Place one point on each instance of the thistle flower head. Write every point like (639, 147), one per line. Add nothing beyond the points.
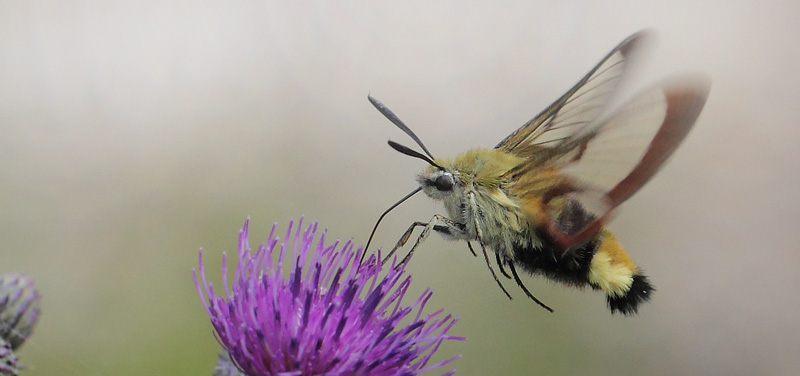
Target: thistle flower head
(332, 315)
(19, 308)
(8, 361)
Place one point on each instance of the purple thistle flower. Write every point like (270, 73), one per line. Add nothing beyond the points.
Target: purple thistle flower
(8, 361)
(19, 308)
(331, 316)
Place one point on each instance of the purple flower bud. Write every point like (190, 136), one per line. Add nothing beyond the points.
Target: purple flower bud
(331, 315)
(8, 361)
(19, 308)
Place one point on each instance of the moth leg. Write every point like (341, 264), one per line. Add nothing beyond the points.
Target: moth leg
(489, 264)
(470, 249)
(479, 234)
(402, 241)
(522, 286)
(450, 227)
(500, 265)
(438, 223)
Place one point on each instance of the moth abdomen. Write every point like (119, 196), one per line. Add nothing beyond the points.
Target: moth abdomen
(601, 263)
(543, 258)
(628, 304)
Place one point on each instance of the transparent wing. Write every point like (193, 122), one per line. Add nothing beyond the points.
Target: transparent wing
(603, 165)
(578, 107)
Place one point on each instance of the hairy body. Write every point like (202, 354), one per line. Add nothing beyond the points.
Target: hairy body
(508, 215)
(540, 199)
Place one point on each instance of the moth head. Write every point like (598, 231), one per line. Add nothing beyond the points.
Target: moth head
(437, 182)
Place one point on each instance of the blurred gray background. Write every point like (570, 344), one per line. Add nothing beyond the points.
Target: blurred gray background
(133, 133)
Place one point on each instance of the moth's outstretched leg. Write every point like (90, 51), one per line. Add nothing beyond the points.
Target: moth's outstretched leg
(479, 235)
(489, 264)
(470, 249)
(500, 265)
(522, 286)
(438, 223)
(402, 241)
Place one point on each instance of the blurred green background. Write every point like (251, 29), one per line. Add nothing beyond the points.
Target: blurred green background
(133, 133)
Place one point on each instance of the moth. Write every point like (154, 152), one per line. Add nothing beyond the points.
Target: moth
(540, 199)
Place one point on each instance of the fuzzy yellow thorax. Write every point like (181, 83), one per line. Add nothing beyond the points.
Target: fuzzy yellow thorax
(483, 167)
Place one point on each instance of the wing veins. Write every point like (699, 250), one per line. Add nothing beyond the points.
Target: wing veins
(588, 89)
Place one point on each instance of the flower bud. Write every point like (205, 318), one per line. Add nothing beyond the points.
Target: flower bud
(19, 308)
(8, 361)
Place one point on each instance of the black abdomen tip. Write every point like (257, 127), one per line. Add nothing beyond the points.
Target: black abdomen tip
(640, 292)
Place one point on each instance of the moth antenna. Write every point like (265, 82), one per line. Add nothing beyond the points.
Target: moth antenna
(413, 153)
(399, 123)
(383, 215)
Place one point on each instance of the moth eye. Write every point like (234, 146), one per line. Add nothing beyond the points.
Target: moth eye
(444, 182)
